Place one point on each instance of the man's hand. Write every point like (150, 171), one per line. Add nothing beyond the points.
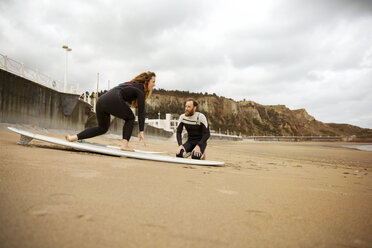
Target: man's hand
(179, 149)
(142, 137)
(197, 151)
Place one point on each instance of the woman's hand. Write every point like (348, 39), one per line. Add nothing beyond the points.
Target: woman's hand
(142, 137)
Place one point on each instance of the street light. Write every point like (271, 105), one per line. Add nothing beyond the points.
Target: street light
(67, 50)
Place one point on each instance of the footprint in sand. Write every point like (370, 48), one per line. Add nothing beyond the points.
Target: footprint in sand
(259, 213)
(59, 204)
(87, 174)
(122, 166)
(228, 192)
(155, 226)
(61, 198)
(189, 167)
(55, 203)
(39, 211)
(256, 219)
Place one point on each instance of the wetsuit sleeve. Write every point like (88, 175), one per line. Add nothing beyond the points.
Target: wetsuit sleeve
(205, 130)
(141, 110)
(179, 131)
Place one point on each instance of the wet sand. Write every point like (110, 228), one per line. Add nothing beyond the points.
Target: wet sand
(268, 194)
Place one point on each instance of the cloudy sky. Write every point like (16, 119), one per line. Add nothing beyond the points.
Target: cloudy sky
(314, 54)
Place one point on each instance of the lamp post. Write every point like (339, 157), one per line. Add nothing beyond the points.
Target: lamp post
(67, 50)
(97, 83)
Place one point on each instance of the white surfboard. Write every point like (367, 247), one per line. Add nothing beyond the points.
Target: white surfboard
(26, 137)
(116, 147)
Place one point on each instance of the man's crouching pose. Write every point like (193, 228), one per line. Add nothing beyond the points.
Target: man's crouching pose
(197, 128)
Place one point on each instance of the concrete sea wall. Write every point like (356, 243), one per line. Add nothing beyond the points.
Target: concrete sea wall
(25, 102)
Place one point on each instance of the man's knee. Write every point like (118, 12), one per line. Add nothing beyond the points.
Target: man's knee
(180, 155)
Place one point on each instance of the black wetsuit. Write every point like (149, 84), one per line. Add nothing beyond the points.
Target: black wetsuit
(197, 130)
(116, 102)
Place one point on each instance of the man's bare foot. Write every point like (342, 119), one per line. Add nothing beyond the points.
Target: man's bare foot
(71, 138)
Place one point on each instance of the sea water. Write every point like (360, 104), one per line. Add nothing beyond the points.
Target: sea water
(361, 147)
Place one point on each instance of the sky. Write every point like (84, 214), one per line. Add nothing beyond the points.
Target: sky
(315, 55)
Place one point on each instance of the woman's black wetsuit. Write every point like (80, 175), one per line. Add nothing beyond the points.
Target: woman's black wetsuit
(116, 102)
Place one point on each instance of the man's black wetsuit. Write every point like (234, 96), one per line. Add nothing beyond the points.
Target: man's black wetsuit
(197, 130)
(116, 102)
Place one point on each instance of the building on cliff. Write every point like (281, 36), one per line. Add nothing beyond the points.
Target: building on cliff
(170, 123)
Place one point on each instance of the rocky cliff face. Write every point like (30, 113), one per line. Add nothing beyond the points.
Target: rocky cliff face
(247, 117)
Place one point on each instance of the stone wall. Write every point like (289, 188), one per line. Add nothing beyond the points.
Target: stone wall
(25, 102)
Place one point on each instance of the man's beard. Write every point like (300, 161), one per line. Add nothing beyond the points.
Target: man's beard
(192, 112)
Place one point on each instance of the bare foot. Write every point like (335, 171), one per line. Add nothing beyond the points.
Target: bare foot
(126, 148)
(71, 138)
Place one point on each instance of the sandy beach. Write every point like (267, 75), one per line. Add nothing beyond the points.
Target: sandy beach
(268, 194)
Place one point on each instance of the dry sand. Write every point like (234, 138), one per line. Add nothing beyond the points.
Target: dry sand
(269, 194)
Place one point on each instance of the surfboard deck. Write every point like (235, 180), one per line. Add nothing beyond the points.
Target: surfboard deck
(26, 137)
(116, 147)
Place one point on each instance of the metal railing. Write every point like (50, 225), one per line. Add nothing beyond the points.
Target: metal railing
(295, 138)
(21, 70)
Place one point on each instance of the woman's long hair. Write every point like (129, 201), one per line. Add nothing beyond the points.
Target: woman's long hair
(144, 79)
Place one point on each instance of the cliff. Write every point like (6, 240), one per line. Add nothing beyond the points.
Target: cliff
(248, 117)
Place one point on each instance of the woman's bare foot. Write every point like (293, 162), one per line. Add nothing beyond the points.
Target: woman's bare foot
(71, 138)
(125, 147)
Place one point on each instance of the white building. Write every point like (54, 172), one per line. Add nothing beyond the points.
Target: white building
(168, 124)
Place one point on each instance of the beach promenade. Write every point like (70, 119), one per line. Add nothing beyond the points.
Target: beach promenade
(268, 194)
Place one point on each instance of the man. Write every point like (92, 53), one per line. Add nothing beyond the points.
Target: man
(197, 128)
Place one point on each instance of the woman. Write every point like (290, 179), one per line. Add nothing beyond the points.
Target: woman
(114, 102)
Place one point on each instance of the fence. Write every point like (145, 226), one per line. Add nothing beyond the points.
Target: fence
(295, 138)
(21, 70)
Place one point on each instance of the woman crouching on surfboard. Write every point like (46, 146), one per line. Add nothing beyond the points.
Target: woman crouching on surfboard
(114, 102)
